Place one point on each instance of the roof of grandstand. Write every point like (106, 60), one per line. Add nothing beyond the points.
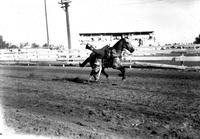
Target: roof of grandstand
(117, 33)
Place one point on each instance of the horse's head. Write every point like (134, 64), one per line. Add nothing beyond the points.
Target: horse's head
(126, 44)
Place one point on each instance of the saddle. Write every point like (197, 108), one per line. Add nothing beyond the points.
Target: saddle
(107, 55)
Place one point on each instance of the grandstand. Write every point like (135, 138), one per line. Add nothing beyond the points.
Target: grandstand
(139, 38)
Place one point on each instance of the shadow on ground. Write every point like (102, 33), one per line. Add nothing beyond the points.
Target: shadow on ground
(75, 80)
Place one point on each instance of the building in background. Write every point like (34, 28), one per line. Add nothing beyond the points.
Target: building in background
(139, 38)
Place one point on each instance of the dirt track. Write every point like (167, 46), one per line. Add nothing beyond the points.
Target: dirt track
(53, 101)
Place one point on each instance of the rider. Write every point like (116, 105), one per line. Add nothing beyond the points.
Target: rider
(96, 54)
(105, 53)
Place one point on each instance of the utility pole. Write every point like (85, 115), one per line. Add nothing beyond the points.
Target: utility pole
(65, 5)
(47, 30)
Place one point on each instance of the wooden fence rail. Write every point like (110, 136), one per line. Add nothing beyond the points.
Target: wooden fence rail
(33, 57)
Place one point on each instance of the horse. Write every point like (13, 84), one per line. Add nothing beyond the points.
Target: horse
(107, 57)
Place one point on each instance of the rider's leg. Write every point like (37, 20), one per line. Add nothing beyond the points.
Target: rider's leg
(87, 60)
(100, 53)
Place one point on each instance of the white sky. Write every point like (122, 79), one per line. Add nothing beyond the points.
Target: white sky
(172, 20)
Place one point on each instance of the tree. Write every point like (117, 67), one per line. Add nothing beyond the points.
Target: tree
(34, 45)
(197, 40)
(3, 44)
(45, 45)
(13, 47)
(22, 45)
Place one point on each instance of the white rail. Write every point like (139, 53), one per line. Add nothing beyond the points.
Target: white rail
(38, 55)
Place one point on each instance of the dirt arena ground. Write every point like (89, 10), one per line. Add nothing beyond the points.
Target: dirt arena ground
(59, 102)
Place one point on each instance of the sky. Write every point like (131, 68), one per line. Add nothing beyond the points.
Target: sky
(171, 20)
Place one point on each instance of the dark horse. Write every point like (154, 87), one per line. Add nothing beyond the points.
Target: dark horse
(107, 57)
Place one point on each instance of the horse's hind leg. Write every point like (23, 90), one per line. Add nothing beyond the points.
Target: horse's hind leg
(104, 73)
(95, 73)
(92, 73)
(90, 78)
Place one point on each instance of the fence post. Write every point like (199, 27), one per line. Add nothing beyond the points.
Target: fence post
(182, 60)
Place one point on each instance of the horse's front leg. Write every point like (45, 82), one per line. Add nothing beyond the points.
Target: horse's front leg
(117, 65)
(122, 69)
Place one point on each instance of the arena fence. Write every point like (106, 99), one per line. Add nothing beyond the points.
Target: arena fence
(158, 59)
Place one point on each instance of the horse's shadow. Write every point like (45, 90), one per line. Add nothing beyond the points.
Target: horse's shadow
(75, 80)
(84, 81)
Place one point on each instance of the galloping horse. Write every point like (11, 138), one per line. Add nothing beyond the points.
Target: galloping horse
(107, 57)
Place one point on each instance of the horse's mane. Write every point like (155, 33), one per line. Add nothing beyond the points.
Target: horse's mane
(104, 48)
(118, 44)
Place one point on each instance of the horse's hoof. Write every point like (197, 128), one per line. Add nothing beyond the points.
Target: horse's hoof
(89, 80)
(123, 78)
(97, 80)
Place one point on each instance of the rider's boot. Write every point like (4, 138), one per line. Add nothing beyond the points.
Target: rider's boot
(96, 51)
(81, 65)
(89, 46)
